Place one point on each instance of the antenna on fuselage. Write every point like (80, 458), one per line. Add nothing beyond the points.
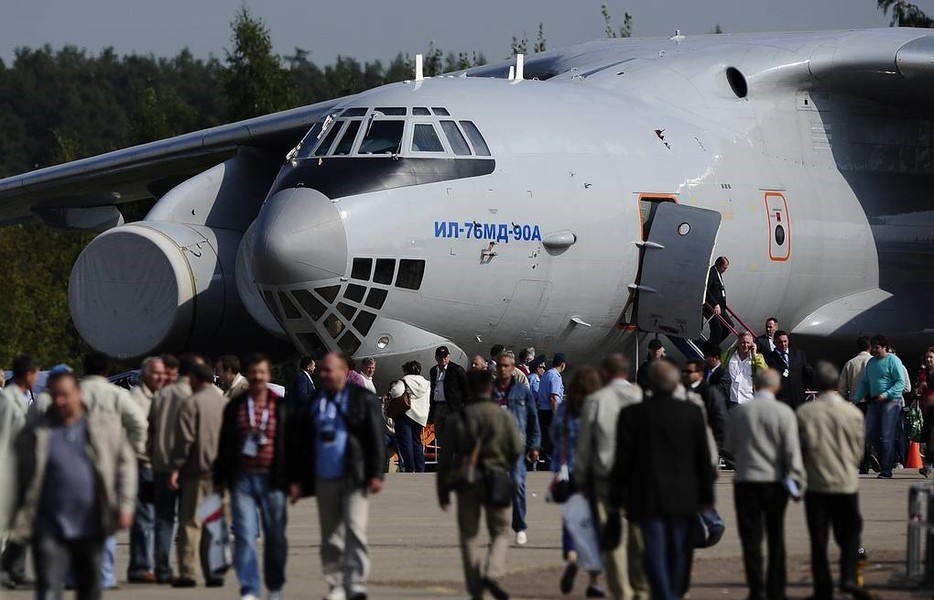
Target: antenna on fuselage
(419, 67)
(520, 67)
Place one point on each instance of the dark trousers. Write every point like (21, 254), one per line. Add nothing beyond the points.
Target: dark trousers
(14, 561)
(53, 557)
(143, 530)
(718, 331)
(544, 420)
(842, 512)
(409, 442)
(665, 539)
(761, 507)
(166, 505)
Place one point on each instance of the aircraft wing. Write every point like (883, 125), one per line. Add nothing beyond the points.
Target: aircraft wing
(150, 169)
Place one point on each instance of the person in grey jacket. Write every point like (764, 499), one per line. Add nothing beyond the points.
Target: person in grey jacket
(77, 481)
(762, 435)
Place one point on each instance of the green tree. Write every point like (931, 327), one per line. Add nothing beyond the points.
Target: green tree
(609, 30)
(254, 81)
(905, 14)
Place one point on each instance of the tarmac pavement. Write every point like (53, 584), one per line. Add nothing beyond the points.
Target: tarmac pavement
(415, 552)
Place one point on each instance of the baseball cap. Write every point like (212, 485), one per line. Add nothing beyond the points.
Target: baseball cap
(539, 361)
(442, 351)
(396, 390)
(655, 344)
(60, 368)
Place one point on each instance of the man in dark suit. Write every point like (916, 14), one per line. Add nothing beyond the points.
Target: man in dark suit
(303, 386)
(793, 366)
(448, 390)
(715, 307)
(663, 476)
(692, 376)
(766, 342)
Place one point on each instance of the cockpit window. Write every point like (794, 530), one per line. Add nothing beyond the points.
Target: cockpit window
(441, 112)
(391, 112)
(350, 133)
(420, 111)
(455, 138)
(425, 139)
(354, 112)
(383, 137)
(329, 139)
(479, 144)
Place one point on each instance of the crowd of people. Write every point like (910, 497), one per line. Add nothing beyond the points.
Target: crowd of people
(639, 451)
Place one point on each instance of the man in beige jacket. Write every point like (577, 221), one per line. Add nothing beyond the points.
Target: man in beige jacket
(77, 481)
(163, 420)
(832, 436)
(596, 455)
(194, 451)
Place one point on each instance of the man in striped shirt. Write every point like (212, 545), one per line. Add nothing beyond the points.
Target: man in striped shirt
(251, 464)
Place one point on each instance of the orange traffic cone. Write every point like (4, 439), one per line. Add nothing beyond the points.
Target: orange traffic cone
(914, 456)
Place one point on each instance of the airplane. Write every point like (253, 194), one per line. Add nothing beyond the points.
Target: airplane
(572, 201)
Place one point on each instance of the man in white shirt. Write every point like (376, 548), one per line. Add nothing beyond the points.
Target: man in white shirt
(368, 370)
(852, 372)
(741, 369)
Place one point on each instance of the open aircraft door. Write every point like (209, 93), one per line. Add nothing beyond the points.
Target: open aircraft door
(674, 258)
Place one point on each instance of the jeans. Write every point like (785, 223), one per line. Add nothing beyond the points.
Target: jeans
(108, 558)
(544, 421)
(142, 533)
(665, 557)
(164, 502)
(53, 556)
(882, 421)
(409, 441)
(249, 493)
(518, 501)
(759, 504)
(389, 440)
(842, 512)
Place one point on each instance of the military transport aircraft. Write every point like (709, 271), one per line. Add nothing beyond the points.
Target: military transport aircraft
(572, 201)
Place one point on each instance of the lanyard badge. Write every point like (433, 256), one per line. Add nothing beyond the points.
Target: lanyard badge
(256, 438)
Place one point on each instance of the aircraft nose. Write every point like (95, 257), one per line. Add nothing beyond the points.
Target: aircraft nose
(300, 237)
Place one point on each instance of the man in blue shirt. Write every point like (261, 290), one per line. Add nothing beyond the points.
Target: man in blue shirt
(883, 382)
(550, 395)
(338, 455)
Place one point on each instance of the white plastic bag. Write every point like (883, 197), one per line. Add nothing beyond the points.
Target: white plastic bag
(211, 513)
(578, 518)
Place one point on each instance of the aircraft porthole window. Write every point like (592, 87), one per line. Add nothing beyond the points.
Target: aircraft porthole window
(479, 144)
(382, 137)
(410, 274)
(345, 145)
(334, 326)
(441, 112)
(425, 139)
(383, 341)
(355, 293)
(364, 322)
(346, 310)
(455, 138)
(329, 293)
(362, 267)
(349, 343)
(421, 111)
(385, 269)
(288, 308)
(779, 235)
(684, 229)
(313, 307)
(376, 298)
(737, 82)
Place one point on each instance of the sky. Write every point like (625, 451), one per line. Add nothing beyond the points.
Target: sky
(379, 29)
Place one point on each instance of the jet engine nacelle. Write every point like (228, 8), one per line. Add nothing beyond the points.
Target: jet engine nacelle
(156, 286)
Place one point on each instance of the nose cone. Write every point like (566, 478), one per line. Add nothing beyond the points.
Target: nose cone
(300, 237)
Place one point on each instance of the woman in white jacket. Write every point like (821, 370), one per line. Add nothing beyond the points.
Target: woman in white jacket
(409, 427)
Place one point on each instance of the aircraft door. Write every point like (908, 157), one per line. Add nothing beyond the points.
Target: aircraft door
(675, 257)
